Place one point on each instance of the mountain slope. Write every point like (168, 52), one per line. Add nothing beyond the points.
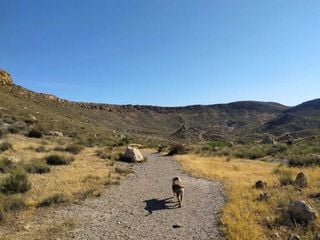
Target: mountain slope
(303, 119)
(150, 124)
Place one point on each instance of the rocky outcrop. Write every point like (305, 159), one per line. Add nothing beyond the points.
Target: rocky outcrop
(5, 78)
(300, 212)
(268, 139)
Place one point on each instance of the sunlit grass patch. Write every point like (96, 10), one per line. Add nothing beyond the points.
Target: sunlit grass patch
(243, 216)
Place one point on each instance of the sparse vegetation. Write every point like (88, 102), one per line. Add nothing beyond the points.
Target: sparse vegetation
(56, 159)
(37, 166)
(41, 149)
(176, 149)
(73, 148)
(5, 146)
(5, 165)
(34, 133)
(55, 199)
(122, 170)
(14, 203)
(245, 218)
(15, 182)
(285, 176)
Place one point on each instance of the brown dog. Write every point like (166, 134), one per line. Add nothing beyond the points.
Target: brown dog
(177, 189)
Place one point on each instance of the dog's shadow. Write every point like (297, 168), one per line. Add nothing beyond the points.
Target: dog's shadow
(153, 205)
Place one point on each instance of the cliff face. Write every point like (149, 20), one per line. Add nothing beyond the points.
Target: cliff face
(5, 78)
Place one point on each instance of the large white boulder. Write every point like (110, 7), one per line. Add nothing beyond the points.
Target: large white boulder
(133, 155)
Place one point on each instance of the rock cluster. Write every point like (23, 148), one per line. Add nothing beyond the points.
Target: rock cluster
(5, 78)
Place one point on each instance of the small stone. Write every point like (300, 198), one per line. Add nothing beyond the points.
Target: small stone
(260, 184)
(276, 235)
(294, 237)
(176, 226)
(264, 196)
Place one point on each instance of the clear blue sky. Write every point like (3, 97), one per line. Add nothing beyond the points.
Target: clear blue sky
(164, 52)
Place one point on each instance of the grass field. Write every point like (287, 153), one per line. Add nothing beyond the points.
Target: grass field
(244, 217)
(85, 175)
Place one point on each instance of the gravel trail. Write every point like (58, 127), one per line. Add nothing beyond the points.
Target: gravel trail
(143, 207)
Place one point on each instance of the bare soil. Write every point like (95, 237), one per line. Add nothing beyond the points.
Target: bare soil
(143, 207)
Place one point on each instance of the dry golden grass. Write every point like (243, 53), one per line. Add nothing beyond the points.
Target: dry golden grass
(244, 217)
(86, 176)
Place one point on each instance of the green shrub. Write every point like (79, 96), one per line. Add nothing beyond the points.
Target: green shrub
(56, 159)
(5, 165)
(254, 152)
(5, 146)
(16, 182)
(55, 199)
(277, 149)
(74, 149)
(304, 161)
(37, 166)
(34, 133)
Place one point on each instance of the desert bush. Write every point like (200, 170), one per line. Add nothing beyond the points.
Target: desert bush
(122, 142)
(14, 203)
(285, 176)
(277, 149)
(8, 119)
(122, 170)
(13, 129)
(304, 161)
(73, 148)
(5, 146)
(37, 166)
(34, 133)
(176, 149)
(59, 149)
(16, 182)
(253, 152)
(40, 149)
(104, 154)
(5, 165)
(55, 199)
(56, 159)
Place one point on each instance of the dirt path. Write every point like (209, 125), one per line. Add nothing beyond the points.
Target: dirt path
(142, 207)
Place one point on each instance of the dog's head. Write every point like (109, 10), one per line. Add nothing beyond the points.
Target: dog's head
(176, 179)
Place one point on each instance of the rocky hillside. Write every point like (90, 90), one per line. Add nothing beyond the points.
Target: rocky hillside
(303, 119)
(234, 121)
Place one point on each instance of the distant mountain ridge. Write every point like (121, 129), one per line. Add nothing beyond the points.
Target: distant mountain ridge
(232, 121)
